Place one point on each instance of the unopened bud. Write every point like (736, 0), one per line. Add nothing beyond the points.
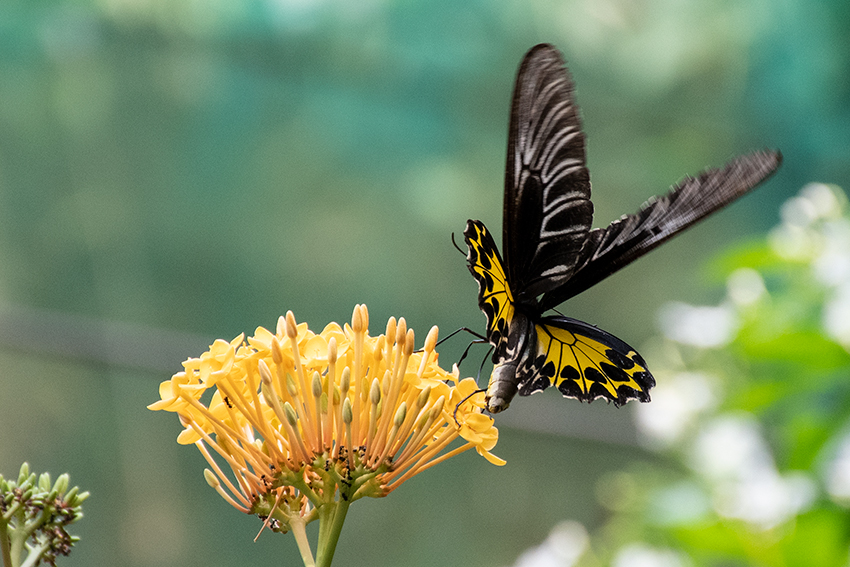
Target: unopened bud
(291, 328)
(265, 372)
(431, 339)
(290, 385)
(400, 414)
(211, 478)
(290, 414)
(347, 413)
(317, 384)
(375, 392)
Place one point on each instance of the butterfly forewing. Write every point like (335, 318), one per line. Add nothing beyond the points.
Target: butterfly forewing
(494, 293)
(660, 219)
(584, 362)
(547, 208)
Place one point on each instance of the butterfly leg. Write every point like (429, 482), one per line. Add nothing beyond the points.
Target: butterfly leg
(466, 352)
(480, 337)
(454, 415)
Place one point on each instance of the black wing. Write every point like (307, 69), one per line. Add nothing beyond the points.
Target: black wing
(659, 219)
(547, 209)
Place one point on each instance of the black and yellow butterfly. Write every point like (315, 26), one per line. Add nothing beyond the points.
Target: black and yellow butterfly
(552, 254)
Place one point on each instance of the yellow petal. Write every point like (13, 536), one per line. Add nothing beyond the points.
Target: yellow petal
(315, 350)
(491, 457)
(188, 437)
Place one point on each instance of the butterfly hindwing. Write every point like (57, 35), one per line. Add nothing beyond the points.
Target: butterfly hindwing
(547, 209)
(584, 362)
(494, 293)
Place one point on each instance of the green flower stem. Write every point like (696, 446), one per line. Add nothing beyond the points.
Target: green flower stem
(18, 546)
(305, 489)
(330, 527)
(5, 549)
(13, 509)
(325, 518)
(296, 522)
(34, 556)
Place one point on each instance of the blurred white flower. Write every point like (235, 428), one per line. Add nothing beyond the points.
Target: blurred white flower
(826, 199)
(730, 447)
(732, 455)
(815, 201)
(563, 548)
(832, 265)
(838, 473)
(812, 230)
(766, 499)
(745, 286)
(642, 555)
(677, 401)
(700, 326)
(798, 211)
(683, 502)
(792, 242)
(836, 315)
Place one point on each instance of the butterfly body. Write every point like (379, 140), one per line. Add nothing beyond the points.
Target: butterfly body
(552, 254)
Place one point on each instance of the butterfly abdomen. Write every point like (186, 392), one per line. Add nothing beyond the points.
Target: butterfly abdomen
(515, 348)
(503, 386)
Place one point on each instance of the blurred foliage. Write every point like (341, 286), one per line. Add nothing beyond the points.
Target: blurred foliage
(753, 432)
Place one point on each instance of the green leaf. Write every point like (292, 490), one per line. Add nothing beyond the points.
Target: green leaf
(805, 348)
(819, 539)
(756, 254)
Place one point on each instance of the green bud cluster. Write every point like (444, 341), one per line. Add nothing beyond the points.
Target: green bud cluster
(33, 516)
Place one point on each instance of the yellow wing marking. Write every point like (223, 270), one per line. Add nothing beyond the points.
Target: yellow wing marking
(494, 297)
(583, 367)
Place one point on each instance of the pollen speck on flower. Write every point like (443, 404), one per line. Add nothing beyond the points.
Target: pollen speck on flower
(300, 419)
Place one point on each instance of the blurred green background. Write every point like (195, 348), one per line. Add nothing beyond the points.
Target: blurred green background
(175, 171)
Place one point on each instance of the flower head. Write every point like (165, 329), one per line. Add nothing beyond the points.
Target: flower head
(306, 420)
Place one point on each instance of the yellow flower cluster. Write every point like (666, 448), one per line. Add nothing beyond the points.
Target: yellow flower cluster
(304, 419)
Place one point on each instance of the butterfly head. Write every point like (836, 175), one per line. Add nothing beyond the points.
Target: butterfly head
(502, 387)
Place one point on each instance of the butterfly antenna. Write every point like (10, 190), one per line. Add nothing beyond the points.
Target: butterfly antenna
(454, 415)
(456, 246)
